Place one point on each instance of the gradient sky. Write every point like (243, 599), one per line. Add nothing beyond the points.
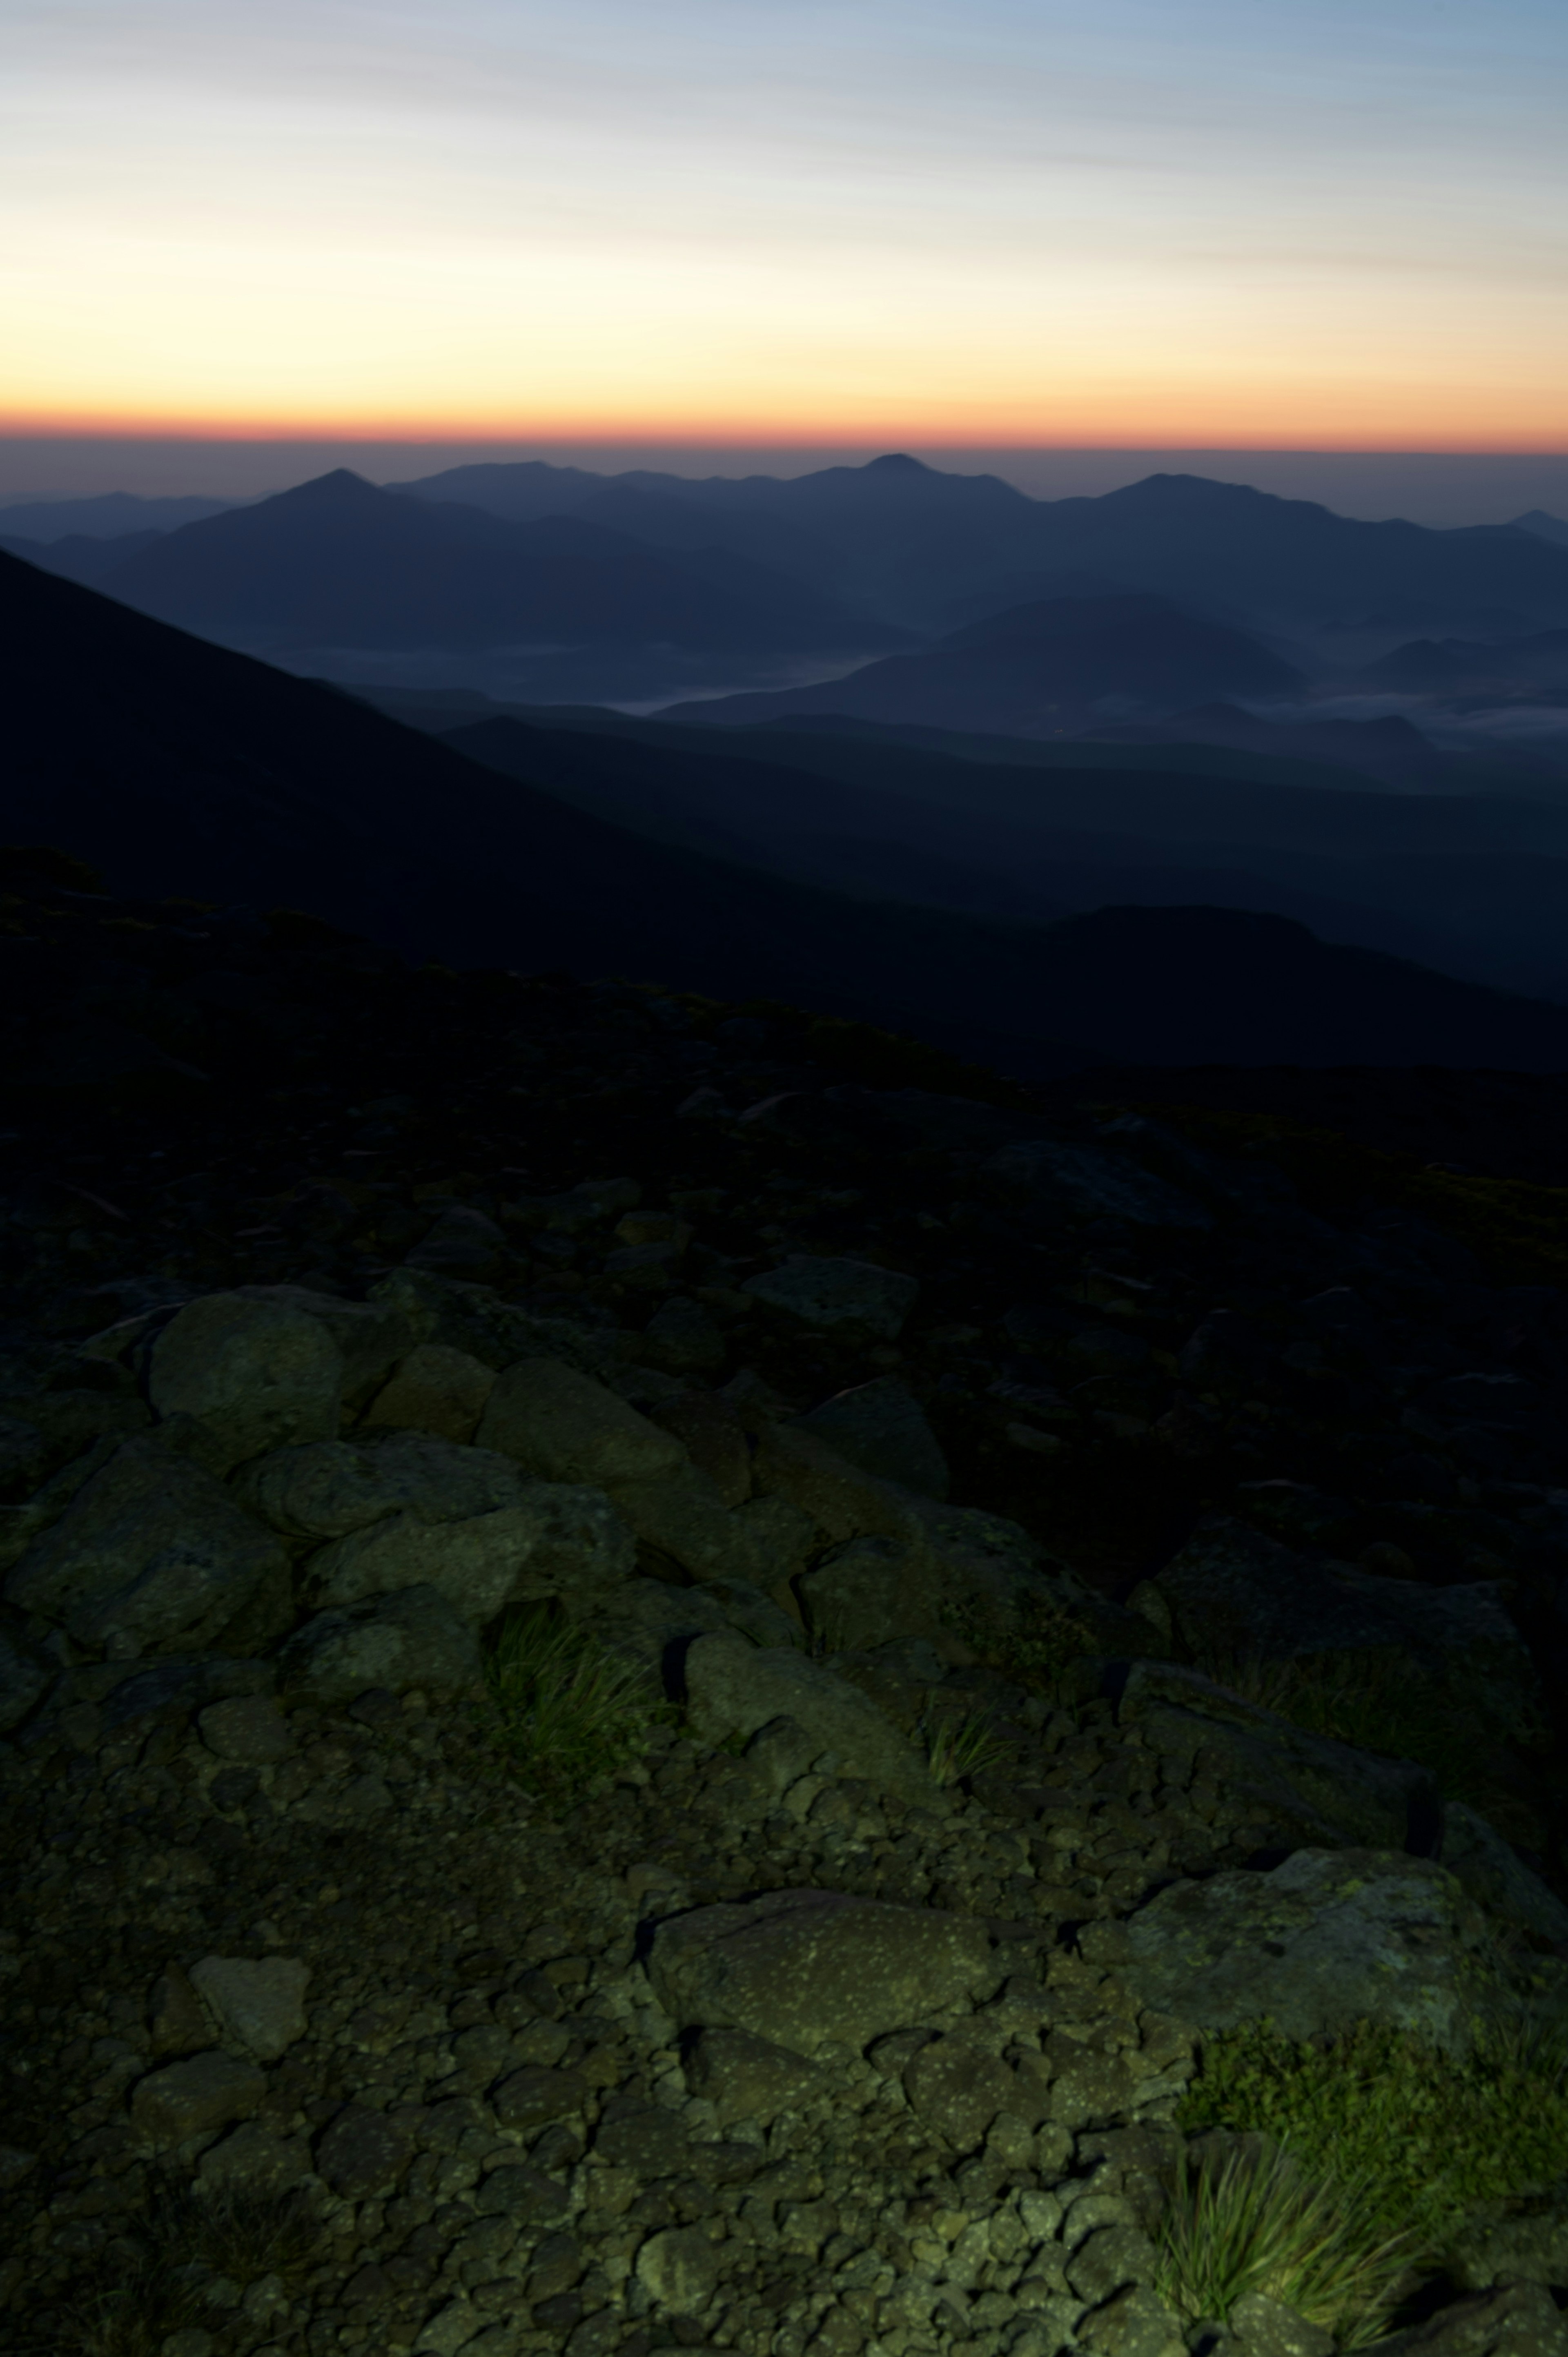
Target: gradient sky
(1334, 222)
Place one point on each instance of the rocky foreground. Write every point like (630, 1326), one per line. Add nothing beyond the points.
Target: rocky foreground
(1080, 1583)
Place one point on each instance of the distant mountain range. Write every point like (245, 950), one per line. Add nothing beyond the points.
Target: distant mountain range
(339, 562)
(1036, 671)
(180, 766)
(917, 545)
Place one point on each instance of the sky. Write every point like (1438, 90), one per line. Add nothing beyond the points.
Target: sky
(1334, 224)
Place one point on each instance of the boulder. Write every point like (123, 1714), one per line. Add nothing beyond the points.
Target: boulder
(968, 1582)
(680, 1514)
(682, 1338)
(153, 1555)
(1086, 1182)
(734, 1688)
(474, 1318)
(1518, 2320)
(330, 1488)
(749, 2078)
(258, 2007)
(371, 1335)
(652, 1622)
(556, 1539)
(461, 1243)
(841, 1501)
(804, 1968)
(436, 1390)
(1495, 1877)
(26, 1676)
(563, 1426)
(833, 1293)
(477, 1565)
(713, 1438)
(1314, 1789)
(881, 1428)
(193, 2097)
(1326, 1940)
(394, 1641)
(1232, 1588)
(255, 1372)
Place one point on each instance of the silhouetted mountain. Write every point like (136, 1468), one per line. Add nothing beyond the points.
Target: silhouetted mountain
(111, 516)
(336, 562)
(78, 556)
(1472, 667)
(1390, 751)
(1038, 671)
(914, 544)
(178, 766)
(1545, 527)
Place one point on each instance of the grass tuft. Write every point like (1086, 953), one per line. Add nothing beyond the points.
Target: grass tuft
(130, 2304)
(1251, 2224)
(560, 1706)
(957, 1748)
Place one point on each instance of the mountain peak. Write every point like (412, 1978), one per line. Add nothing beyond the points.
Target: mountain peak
(896, 462)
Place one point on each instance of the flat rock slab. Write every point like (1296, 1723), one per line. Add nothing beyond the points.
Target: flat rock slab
(832, 1293)
(806, 1967)
(1328, 1939)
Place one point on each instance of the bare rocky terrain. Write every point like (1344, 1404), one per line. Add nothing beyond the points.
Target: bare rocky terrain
(1095, 1579)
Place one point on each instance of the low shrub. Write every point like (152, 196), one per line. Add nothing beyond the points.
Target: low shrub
(1425, 2138)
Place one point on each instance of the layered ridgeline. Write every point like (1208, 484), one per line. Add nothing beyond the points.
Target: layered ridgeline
(674, 1675)
(178, 766)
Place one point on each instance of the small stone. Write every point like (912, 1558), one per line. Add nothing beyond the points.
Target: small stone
(517, 2192)
(176, 2015)
(190, 2098)
(259, 2007)
(15, 2164)
(1136, 2323)
(531, 2098)
(254, 2160)
(957, 2090)
(249, 1728)
(679, 2269)
(643, 2136)
(361, 2153)
(449, 2330)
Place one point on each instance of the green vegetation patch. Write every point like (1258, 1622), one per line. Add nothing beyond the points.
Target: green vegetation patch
(1422, 2140)
(561, 1707)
